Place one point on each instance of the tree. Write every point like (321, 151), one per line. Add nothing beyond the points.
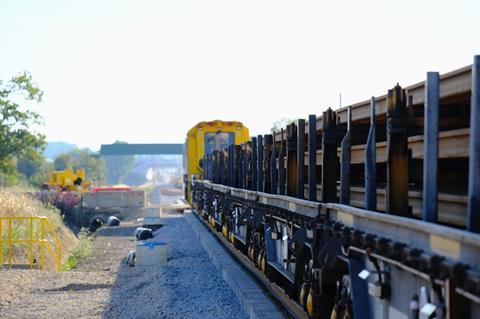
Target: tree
(118, 167)
(281, 123)
(34, 168)
(16, 120)
(29, 163)
(82, 158)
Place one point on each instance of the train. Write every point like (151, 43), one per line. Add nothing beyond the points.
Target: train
(202, 140)
(368, 211)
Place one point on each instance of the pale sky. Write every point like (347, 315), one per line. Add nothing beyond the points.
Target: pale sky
(146, 71)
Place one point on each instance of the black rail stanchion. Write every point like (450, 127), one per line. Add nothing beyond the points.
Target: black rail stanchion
(245, 165)
(232, 165)
(430, 147)
(281, 164)
(312, 157)
(260, 163)
(222, 167)
(242, 166)
(267, 153)
(397, 153)
(291, 178)
(473, 222)
(254, 163)
(273, 167)
(238, 166)
(329, 158)
(370, 162)
(216, 167)
(345, 162)
(300, 158)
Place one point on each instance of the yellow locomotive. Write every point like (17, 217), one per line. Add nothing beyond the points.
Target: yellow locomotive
(204, 138)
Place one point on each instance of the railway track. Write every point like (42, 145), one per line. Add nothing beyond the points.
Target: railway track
(287, 306)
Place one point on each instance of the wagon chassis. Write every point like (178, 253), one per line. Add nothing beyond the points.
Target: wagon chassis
(452, 283)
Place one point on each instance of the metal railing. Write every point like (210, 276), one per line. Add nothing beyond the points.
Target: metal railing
(39, 231)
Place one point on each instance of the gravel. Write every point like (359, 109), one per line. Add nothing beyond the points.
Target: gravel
(189, 286)
(102, 286)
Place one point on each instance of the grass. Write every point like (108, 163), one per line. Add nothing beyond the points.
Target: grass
(16, 202)
(83, 249)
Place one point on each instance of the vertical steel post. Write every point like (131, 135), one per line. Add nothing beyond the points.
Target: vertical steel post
(329, 158)
(215, 166)
(238, 166)
(260, 163)
(226, 159)
(42, 244)
(210, 167)
(430, 147)
(248, 165)
(205, 166)
(370, 162)
(254, 163)
(231, 167)
(229, 163)
(292, 160)
(312, 157)
(30, 241)
(281, 165)
(241, 177)
(345, 162)
(267, 155)
(397, 153)
(273, 167)
(226, 155)
(10, 243)
(222, 167)
(300, 158)
(245, 166)
(473, 210)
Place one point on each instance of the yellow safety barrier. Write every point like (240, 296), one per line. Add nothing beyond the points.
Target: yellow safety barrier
(39, 229)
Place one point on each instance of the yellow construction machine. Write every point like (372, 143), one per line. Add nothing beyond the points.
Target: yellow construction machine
(69, 181)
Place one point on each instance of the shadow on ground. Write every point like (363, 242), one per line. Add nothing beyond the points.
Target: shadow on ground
(188, 286)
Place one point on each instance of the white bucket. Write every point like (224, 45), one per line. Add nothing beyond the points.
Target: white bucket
(151, 253)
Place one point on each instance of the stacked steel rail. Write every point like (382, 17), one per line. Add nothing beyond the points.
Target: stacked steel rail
(371, 211)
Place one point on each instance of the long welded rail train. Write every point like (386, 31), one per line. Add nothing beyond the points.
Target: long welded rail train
(370, 211)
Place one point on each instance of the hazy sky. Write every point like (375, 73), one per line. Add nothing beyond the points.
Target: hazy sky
(146, 71)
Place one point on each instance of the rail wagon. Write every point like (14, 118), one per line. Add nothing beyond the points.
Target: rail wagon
(367, 211)
(205, 138)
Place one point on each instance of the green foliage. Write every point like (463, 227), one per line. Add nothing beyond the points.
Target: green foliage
(118, 167)
(82, 158)
(33, 169)
(281, 123)
(16, 136)
(42, 174)
(83, 249)
(29, 163)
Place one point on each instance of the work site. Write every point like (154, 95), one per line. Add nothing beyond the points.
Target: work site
(256, 159)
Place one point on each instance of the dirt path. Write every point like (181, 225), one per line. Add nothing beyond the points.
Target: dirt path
(80, 293)
(103, 287)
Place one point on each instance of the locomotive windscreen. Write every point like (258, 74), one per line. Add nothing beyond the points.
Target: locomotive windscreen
(218, 141)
